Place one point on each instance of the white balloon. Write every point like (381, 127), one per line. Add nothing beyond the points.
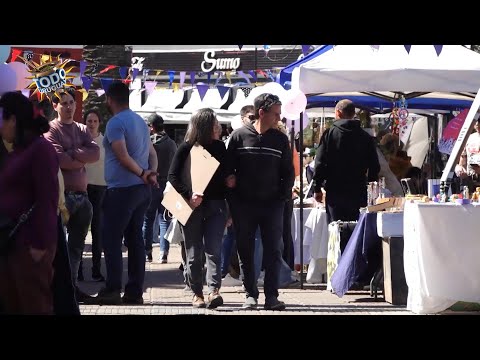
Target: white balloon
(21, 71)
(295, 102)
(8, 79)
(296, 123)
(236, 122)
(4, 53)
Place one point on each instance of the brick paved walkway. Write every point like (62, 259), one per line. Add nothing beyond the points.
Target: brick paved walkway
(164, 295)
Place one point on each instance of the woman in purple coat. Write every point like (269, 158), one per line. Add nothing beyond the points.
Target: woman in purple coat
(28, 179)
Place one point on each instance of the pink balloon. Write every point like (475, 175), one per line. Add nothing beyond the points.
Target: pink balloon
(297, 122)
(295, 102)
(8, 79)
(21, 71)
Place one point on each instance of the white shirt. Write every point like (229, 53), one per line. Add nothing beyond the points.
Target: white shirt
(472, 148)
(96, 170)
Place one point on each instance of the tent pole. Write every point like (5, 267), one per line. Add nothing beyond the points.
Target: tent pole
(300, 151)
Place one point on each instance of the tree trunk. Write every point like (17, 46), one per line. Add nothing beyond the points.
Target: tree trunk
(103, 55)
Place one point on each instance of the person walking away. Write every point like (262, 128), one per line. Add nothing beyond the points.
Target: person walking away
(345, 162)
(165, 149)
(130, 171)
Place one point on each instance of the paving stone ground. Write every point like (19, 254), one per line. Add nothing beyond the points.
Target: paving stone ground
(164, 295)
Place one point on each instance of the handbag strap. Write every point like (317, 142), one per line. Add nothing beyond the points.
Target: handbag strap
(24, 217)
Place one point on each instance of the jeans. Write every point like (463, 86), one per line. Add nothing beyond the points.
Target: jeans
(203, 232)
(124, 211)
(228, 245)
(81, 211)
(247, 217)
(155, 207)
(64, 301)
(96, 193)
(285, 273)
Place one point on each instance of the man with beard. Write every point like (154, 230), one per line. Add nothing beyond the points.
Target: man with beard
(130, 171)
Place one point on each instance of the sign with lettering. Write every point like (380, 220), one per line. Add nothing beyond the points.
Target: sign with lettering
(48, 76)
(465, 130)
(451, 131)
(211, 64)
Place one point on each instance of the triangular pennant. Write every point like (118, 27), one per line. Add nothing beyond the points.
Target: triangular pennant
(407, 47)
(150, 86)
(15, 54)
(109, 67)
(182, 78)
(134, 73)
(84, 94)
(123, 71)
(243, 75)
(253, 75)
(100, 92)
(218, 78)
(83, 66)
(26, 92)
(202, 90)
(222, 90)
(192, 77)
(171, 76)
(87, 82)
(305, 49)
(240, 47)
(106, 83)
(438, 49)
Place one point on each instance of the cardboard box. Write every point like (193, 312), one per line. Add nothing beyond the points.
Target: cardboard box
(200, 166)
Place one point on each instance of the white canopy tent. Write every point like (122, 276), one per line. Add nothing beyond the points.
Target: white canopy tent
(390, 68)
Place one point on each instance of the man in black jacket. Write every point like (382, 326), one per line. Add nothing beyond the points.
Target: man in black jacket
(165, 148)
(346, 158)
(262, 177)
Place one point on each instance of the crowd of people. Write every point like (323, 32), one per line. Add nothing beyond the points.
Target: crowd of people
(68, 177)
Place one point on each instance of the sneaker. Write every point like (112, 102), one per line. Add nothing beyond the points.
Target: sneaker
(130, 300)
(108, 297)
(214, 299)
(83, 298)
(98, 277)
(250, 303)
(198, 301)
(149, 256)
(274, 304)
(163, 257)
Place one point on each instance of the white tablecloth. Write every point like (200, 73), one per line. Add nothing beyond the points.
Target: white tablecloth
(315, 241)
(390, 224)
(441, 255)
(296, 234)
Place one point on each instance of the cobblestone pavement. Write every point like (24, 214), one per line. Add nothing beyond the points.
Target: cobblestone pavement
(164, 295)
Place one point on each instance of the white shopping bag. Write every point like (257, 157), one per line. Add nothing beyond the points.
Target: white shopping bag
(173, 234)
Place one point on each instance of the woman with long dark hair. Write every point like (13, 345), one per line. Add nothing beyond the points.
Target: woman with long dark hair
(204, 230)
(28, 184)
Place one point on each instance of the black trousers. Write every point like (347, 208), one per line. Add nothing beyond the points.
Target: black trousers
(288, 250)
(96, 193)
